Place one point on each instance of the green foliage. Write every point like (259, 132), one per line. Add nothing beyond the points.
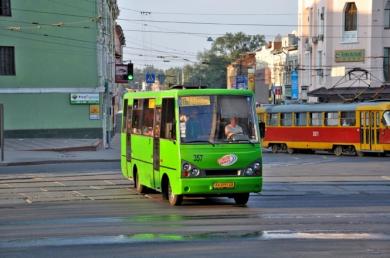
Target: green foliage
(232, 45)
(211, 67)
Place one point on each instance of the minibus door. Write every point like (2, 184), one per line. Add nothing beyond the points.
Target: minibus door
(156, 148)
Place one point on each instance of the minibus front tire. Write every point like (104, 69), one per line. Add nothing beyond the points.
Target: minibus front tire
(241, 199)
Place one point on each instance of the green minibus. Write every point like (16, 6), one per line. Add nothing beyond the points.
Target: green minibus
(192, 142)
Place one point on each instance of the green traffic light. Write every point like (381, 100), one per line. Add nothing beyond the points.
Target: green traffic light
(130, 77)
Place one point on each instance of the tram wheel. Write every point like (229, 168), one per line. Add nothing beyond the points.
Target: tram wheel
(338, 151)
(241, 199)
(275, 148)
(290, 150)
(174, 199)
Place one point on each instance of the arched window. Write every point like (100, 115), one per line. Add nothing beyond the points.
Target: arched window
(387, 15)
(350, 17)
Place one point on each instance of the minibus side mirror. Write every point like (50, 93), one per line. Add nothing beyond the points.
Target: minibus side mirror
(262, 129)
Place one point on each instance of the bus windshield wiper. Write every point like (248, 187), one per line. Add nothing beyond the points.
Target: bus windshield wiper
(200, 141)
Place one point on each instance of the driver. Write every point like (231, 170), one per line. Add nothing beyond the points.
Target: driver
(233, 128)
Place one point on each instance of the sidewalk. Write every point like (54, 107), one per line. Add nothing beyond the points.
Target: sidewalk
(19, 152)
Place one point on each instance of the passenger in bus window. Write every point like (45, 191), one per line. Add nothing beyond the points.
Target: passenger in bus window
(233, 128)
(148, 131)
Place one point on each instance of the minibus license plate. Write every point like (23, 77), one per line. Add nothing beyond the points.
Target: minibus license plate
(227, 185)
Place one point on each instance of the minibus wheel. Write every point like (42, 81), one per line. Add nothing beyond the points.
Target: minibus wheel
(241, 199)
(174, 199)
(140, 188)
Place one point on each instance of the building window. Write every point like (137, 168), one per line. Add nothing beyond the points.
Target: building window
(5, 8)
(350, 17)
(386, 64)
(387, 15)
(7, 60)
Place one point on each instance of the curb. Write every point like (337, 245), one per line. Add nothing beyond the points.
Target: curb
(44, 162)
(93, 147)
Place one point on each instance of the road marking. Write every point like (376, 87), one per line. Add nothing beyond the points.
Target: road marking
(386, 177)
(43, 189)
(96, 187)
(26, 198)
(78, 193)
(59, 183)
(109, 182)
(272, 235)
(205, 236)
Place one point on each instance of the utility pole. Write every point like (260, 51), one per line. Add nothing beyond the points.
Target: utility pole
(101, 66)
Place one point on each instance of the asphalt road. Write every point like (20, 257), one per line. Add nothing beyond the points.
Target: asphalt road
(311, 206)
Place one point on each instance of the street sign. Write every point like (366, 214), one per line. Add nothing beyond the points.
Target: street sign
(241, 82)
(150, 77)
(161, 78)
(294, 85)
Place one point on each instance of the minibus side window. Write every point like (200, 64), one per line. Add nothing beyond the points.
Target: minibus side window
(168, 127)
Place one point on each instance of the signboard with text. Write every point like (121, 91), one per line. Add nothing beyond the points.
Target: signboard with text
(94, 112)
(84, 98)
(294, 85)
(121, 73)
(350, 55)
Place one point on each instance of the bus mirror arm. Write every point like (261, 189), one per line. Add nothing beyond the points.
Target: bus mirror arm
(262, 129)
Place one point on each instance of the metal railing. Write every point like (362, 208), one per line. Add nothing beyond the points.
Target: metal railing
(2, 132)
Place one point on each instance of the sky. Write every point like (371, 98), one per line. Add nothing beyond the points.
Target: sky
(163, 33)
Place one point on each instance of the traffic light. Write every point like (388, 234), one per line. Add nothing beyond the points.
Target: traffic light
(130, 72)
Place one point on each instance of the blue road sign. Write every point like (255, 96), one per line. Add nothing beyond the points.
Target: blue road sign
(150, 77)
(294, 85)
(161, 78)
(241, 82)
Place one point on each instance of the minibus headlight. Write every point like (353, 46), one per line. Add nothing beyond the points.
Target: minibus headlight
(257, 166)
(189, 170)
(195, 172)
(186, 167)
(249, 171)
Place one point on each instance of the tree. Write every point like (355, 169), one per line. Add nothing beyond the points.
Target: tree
(211, 70)
(232, 45)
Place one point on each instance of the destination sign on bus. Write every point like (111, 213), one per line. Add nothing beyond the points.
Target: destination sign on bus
(195, 101)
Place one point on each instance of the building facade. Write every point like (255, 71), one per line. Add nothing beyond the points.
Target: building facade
(57, 67)
(344, 48)
(275, 63)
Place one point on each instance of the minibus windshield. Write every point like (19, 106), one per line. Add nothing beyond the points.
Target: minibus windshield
(217, 119)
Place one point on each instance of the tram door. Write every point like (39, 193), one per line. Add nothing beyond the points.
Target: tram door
(369, 130)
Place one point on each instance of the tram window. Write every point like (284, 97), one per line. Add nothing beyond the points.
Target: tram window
(286, 119)
(300, 119)
(348, 118)
(331, 118)
(273, 119)
(316, 118)
(386, 118)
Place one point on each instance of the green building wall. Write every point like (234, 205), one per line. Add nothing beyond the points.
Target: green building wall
(55, 48)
